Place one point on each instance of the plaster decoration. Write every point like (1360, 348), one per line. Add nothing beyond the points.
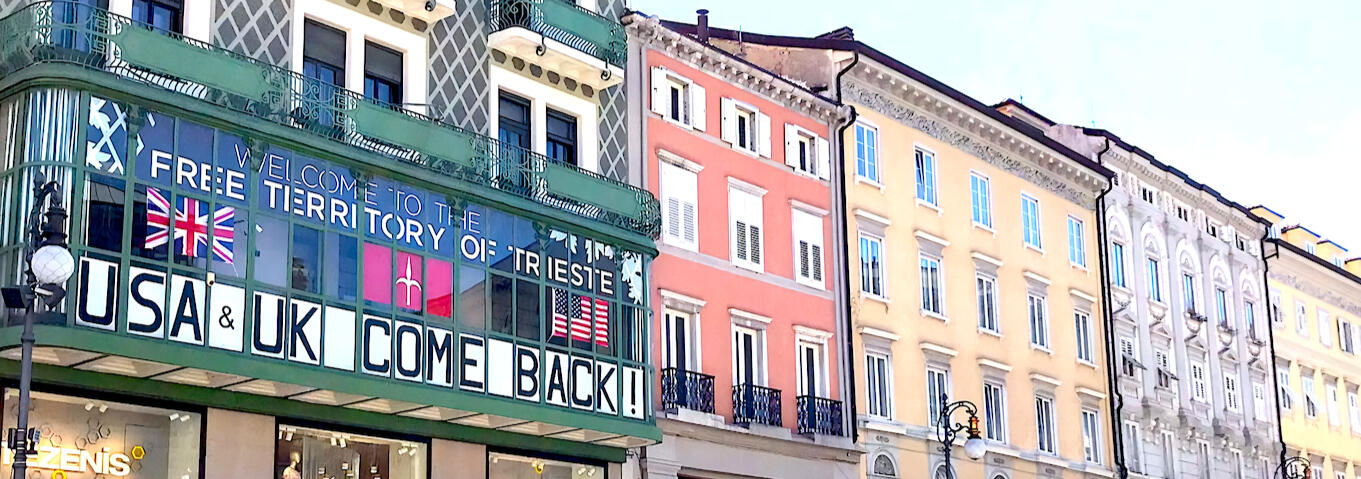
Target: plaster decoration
(1170, 185)
(1325, 295)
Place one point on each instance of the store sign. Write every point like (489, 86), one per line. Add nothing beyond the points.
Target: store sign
(63, 460)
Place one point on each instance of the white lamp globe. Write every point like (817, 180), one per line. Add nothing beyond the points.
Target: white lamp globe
(52, 264)
(975, 448)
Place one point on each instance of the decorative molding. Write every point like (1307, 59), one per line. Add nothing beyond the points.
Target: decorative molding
(548, 77)
(1323, 294)
(1168, 183)
(898, 110)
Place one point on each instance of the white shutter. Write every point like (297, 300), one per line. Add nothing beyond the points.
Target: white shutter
(824, 158)
(661, 98)
(745, 209)
(680, 199)
(729, 117)
(697, 109)
(791, 145)
(763, 134)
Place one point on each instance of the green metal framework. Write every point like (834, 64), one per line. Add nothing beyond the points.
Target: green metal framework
(566, 22)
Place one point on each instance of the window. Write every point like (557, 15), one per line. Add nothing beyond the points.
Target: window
(382, 73)
(748, 356)
(867, 152)
(987, 303)
(1030, 221)
(1169, 454)
(1283, 393)
(1077, 243)
(937, 392)
(745, 127)
(812, 370)
(880, 386)
(1183, 213)
(1310, 401)
(308, 450)
(505, 465)
(1211, 228)
(680, 203)
(1259, 405)
(1165, 374)
(1155, 291)
(165, 15)
(981, 192)
(513, 122)
(1134, 445)
(806, 152)
(1325, 336)
(1239, 465)
(323, 60)
(1231, 391)
(1311, 248)
(1147, 195)
(1241, 242)
(1091, 436)
(1039, 321)
(808, 248)
(680, 342)
(932, 302)
(926, 176)
(1118, 265)
(1188, 292)
(562, 137)
(1334, 415)
(872, 265)
(1044, 425)
(1301, 319)
(744, 209)
(1198, 391)
(1354, 410)
(1344, 336)
(1250, 319)
(1203, 459)
(1221, 308)
(677, 99)
(1082, 322)
(1129, 357)
(995, 412)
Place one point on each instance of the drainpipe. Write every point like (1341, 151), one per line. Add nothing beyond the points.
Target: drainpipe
(1271, 336)
(1117, 400)
(845, 250)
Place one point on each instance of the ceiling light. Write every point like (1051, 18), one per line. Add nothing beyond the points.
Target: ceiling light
(174, 416)
(289, 436)
(103, 408)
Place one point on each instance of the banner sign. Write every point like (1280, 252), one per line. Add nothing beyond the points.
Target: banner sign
(201, 182)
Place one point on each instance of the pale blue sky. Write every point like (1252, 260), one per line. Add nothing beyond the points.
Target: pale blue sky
(1258, 99)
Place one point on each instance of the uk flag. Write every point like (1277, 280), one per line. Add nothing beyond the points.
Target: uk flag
(191, 231)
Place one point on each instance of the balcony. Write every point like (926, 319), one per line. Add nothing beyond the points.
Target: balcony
(756, 404)
(687, 390)
(560, 36)
(819, 416)
(77, 42)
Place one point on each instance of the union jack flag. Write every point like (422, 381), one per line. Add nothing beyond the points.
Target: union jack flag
(577, 322)
(192, 233)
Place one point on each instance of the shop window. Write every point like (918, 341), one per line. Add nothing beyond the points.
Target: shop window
(104, 196)
(307, 453)
(472, 296)
(342, 266)
(305, 266)
(501, 303)
(225, 261)
(270, 262)
(147, 239)
(527, 309)
(109, 439)
(506, 466)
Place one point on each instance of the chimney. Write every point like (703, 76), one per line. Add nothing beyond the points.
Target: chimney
(702, 26)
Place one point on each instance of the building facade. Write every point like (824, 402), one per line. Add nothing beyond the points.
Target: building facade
(1316, 323)
(749, 344)
(424, 259)
(1186, 276)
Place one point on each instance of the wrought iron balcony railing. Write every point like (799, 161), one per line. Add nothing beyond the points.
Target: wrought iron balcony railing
(687, 390)
(819, 416)
(63, 32)
(756, 404)
(563, 21)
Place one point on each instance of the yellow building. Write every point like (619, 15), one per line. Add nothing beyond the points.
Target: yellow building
(1316, 321)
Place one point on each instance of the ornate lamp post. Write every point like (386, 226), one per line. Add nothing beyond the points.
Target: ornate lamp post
(49, 266)
(947, 431)
(1296, 467)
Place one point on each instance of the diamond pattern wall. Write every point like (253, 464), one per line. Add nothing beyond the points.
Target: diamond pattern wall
(258, 28)
(613, 124)
(9, 6)
(459, 59)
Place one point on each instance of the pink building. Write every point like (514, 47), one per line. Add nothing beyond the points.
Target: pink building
(749, 333)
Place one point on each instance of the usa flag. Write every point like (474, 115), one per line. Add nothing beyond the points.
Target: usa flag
(192, 233)
(576, 321)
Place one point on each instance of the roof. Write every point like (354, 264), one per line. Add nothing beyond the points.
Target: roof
(1268, 210)
(1301, 227)
(1014, 103)
(1334, 243)
(839, 41)
(1317, 260)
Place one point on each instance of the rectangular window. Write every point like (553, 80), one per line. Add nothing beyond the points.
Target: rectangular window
(510, 466)
(1170, 466)
(1325, 335)
(1155, 291)
(867, 152)
(1221, 308)
(679, 342)
(745, 127)
(746, 215)
(1082, 322)
(872, 265)
(1148, 195)
(1188, 292)
(1198, 391)
(1301, 319)
(926, 176)
(748, 357)
(680, 206)
(166, 15)
(879, 386)
(932, 302)
(987, 304)
(1283, 393)
(1231, 391)
(1203, 459)
(806, 152)
(305, 452)
(382, 74)
(1134, 446)
(1239, 465)
(1354, 411)
(937, 392)
(1259, 405)
(323, 60)
(807, 229)
(1039, 321)
(995, 412)
(1183, 213)
(1118, 265)
(562, 137)
(981, 193)
(1310, 398)
(1344, 336)
(1330, 395)
(1077, 243)
(1091, 436)
(1250, 319)
(1044, 425)
(677, 99)
(1129, 357)
(812, 370)
(1030, 221)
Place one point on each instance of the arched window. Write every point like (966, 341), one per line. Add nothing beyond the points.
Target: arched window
(884, 466)
(943, 473)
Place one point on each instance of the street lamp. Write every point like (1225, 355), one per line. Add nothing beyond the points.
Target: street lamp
(49, 266)
(947, 432)
(1296, 467)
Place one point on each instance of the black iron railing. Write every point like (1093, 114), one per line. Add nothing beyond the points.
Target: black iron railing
(756, 404)
(687, 390)
(819, 416)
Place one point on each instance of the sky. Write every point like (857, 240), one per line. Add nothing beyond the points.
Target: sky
(1258, 99)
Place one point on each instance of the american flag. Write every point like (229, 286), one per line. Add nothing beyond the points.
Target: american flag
(602, 323)
(576, 322)
(191, 227)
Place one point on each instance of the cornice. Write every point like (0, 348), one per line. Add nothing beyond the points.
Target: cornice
(936, 115)
(649, 32)
(1168, 183)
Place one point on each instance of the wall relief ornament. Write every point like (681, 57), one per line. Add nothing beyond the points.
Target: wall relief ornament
(1311, 289)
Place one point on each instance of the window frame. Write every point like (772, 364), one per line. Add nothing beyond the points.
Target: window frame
(694, 353)
(1082, 324)
(1046, 436)
(1037, 311)
(885, 385)
(751, 219)
(867, 168)
(1077, 242)
(760, 371)
(807, 227)
(670, 183)
(1031, 226)
(1153, 268)
(1117, 258)
(872, 239)
(937, 383)
(988, 318)
(1091, 436)
(932, 275)
(995, 405)
(926, 173)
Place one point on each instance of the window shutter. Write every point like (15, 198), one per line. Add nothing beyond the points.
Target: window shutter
(661, 98)
(791, 145)
(756, 244)
(804, 266)
(763, 134)
(673, 217)
(824, 158)
(697, 107)
(688, 220)
(816, 258)
(729, 118)
(741, 240)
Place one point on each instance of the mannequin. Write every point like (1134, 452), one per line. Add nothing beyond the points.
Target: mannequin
(291, 472)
